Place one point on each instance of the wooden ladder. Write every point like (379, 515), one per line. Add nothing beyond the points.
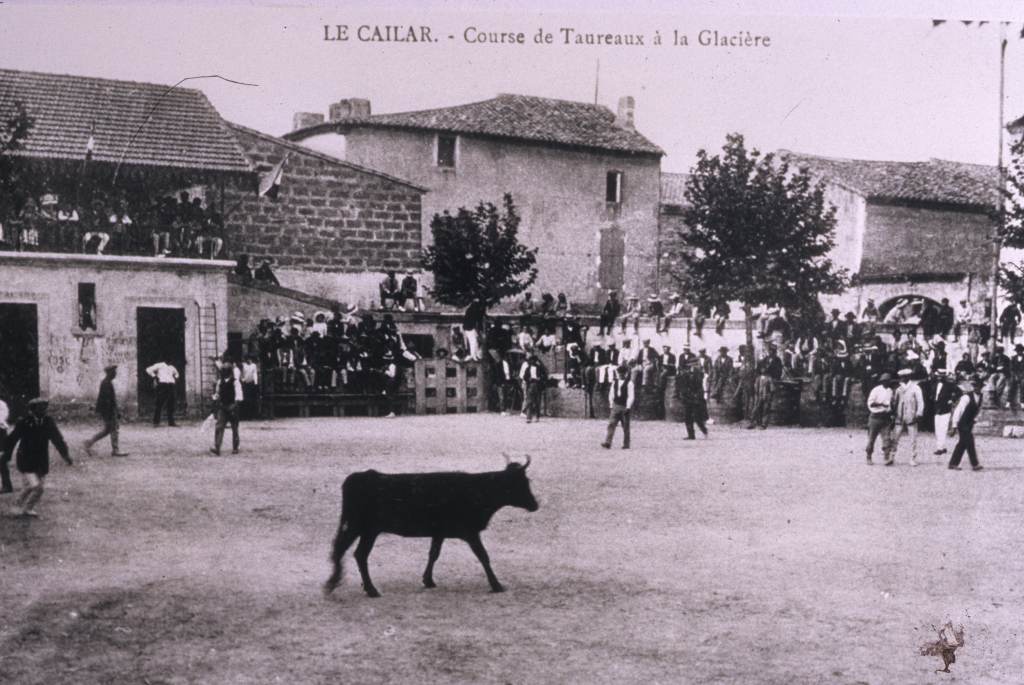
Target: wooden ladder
(209, 349)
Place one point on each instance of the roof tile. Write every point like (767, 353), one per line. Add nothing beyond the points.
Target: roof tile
(521, 117)
(133, 123)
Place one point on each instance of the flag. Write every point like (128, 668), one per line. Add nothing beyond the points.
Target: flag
(270, 183)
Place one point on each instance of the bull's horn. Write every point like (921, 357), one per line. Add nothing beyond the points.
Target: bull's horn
(527, 462)
(508, 459)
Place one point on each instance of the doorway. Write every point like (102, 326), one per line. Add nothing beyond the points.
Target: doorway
(160, 337)
(19, 355)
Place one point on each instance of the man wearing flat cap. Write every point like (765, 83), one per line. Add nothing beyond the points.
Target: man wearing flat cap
(106, 407)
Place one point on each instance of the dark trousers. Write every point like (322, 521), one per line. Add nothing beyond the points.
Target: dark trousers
(606, 325)
(964, 443)
(164, 398)
(250, 401)
(533, 399)
(692, 416)
(5, 469)
(110, 427)
(228, 413)
(619, 415)
(879, 425)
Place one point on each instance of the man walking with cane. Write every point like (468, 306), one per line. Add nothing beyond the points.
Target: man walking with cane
(620, 397)
(106, 407)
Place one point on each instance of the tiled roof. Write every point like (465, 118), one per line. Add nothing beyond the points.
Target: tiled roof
(520, 117)
(132, 123)
(672, 189)
(936, 180)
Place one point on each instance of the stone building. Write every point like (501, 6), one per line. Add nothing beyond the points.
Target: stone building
(916, 230)
(585, 181)
(332, 227)
(64, 317)
(102, 145)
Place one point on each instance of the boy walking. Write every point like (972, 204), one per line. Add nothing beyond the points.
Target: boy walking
(35, 431)
(106, 407)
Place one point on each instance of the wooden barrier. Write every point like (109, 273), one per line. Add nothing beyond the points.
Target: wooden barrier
(447, 387)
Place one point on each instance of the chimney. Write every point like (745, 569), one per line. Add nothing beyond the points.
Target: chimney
(306, 119)
(349, 108)
(624, 119)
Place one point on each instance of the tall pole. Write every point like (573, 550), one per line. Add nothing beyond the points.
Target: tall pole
(597, 79)
(997, 240)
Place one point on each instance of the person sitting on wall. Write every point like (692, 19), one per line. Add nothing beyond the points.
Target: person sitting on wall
(120, 226)
(264, 274)
(166, 214)
(609, 313)
(390, 291)
(67, 225)
(210, 233)
(526, 305)
(655, 310)
(411, 291)
(563, 309)
(632, 315)
(675, 311)
(97, 222)
(243, 270)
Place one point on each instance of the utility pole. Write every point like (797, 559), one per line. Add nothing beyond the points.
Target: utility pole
(997, 239)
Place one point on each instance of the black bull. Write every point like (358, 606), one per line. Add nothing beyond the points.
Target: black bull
(424, 505)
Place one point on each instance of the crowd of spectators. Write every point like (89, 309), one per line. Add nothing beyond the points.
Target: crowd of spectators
(118, 225)
(334, 351)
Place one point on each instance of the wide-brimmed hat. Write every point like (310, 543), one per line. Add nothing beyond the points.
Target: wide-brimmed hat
(885, 378)
(904, 373)
(110, 367)
(675, 296)
(38, 401)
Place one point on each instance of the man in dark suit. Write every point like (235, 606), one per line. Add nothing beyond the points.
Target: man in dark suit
(721, 373)
(690, 389)
(944, 395)
(966, 412)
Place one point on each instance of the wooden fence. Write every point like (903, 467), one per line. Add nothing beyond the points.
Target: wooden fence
(447, 387)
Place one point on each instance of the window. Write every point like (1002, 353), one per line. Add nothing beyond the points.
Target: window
(613, 187)
(446, 151)
(87, 306)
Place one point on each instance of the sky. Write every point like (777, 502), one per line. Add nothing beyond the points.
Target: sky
(886, 84)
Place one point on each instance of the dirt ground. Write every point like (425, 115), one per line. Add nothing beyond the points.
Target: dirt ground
(768, 557)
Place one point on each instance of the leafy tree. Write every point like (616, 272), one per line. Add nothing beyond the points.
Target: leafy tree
(756, 232)
(1011, 276)
(15, 179)
(477, 255)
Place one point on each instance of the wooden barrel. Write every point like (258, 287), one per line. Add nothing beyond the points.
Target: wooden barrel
(673, 405)
(786, 403)
(648, 403)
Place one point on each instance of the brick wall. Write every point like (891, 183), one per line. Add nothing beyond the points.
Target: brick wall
(329, 216)
(907, 240)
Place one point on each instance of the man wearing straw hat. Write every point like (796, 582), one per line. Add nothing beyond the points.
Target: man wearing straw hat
(34, 431)
(909, 408)
(106, 407)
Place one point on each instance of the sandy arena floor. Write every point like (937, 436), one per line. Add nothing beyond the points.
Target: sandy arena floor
(752, 557)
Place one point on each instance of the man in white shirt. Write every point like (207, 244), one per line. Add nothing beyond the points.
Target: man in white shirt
(250, 387)
(880, 416)
(166, 377)
(620, 398)
(533, 377)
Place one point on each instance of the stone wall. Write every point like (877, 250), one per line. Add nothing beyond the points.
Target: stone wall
(343, 223)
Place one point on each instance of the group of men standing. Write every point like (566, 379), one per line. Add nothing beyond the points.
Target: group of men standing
(897, 406)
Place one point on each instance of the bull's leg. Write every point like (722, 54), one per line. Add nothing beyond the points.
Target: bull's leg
(478, 549)
(345, 537)
(361, 554)
(435, 552)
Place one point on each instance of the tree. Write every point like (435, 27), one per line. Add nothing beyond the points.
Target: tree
(477, 255)
(756, 232)
(1011, 276)
(15, 179)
